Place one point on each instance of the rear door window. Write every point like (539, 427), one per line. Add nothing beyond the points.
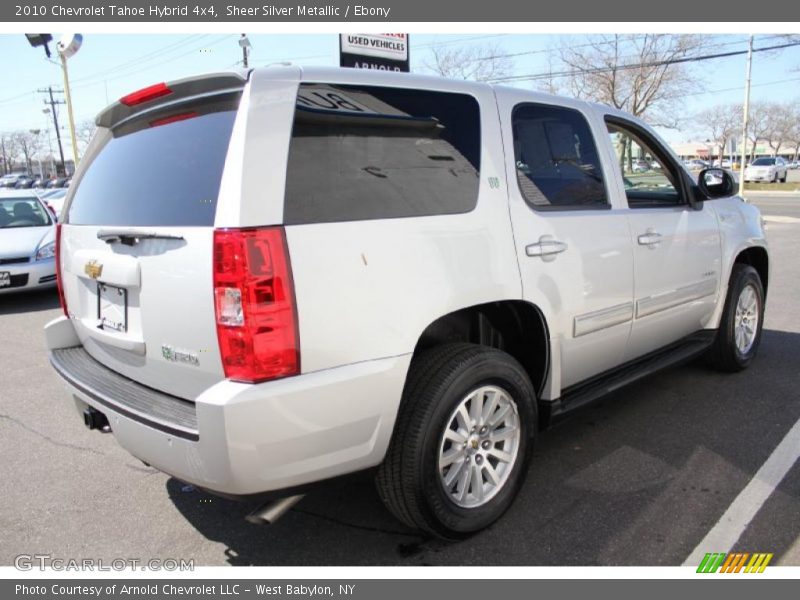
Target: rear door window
(558, 167)
(162, 169)
(360, 152)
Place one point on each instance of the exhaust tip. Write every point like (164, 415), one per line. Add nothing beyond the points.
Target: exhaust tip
(269, 513)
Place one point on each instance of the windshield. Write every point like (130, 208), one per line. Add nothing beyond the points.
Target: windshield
(763, 162)
(22, 212)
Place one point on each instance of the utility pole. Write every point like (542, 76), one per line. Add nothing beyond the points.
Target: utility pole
(746, 113)
(244, 43)
(53, 103)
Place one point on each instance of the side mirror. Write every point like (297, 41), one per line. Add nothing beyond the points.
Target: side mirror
(715, 183)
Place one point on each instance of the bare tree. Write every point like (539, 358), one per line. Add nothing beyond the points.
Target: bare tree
(780, 120)
(475, 63)
(793, 133)
(757, 125)
(9, 150)
(29, 144)
(721, 123)
(635, 73)
(84, 132)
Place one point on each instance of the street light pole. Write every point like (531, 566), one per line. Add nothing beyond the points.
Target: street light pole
(68, 96)
(68, 46)
(746, 111)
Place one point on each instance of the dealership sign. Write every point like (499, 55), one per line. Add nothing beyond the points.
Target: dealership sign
(382, 51)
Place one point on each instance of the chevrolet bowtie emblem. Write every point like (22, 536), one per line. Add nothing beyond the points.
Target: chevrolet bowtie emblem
(93, 269)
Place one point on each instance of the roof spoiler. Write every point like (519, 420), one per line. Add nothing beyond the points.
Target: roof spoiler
(173, 92)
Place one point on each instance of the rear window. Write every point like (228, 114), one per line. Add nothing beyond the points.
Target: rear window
(360, 152)
(763, 162)
(164, 169)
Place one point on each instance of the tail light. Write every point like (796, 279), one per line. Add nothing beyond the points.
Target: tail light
(146, 94)
(254, 304)
(59, 277)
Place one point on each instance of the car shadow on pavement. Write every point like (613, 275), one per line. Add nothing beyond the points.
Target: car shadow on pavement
(26, 302)
(324, 528)
(638, 478)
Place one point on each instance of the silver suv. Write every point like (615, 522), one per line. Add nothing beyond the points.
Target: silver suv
(274, 278)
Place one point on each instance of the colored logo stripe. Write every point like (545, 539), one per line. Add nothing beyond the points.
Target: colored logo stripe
(734, 562)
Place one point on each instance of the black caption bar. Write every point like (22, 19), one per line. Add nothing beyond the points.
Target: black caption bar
(441, 11)
(385, 589)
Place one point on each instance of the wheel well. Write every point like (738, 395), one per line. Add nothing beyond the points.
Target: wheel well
(513, 326)
(757, 258)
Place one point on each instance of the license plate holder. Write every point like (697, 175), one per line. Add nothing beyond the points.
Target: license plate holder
(112, 307)
(5, 279)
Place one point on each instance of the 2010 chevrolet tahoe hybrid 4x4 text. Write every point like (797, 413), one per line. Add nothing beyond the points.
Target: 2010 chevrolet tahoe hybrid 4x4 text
(276, 277)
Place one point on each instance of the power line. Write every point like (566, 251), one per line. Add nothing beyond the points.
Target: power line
(150, 56)
(608, 42)
(641, 65)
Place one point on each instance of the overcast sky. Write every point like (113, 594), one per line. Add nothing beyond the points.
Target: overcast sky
(109, 66)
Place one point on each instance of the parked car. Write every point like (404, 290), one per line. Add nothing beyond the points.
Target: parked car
(641, 166)
(24, 182)
(56, 182)
(54, 198)
(696, 164)
(766, 169)
(793, 165)
(27, 242)
(430, 278)
(10, 180)
(725, 163)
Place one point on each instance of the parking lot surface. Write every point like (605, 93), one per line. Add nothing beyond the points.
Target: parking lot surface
(637, 479)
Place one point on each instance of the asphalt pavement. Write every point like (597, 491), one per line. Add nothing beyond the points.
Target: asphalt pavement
(637, 479)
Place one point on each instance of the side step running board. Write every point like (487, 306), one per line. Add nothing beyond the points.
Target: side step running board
(595, 388)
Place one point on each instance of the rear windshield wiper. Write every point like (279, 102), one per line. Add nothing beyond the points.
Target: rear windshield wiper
(129, 237)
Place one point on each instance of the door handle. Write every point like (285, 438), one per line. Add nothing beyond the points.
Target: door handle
(546, 248)
(650, 238)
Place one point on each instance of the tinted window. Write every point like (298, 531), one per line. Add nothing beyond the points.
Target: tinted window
(161, 170)
(556, 158)
(763, 162)
(650, 179)
(373, 153)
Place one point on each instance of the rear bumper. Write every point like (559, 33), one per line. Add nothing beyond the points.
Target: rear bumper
(240, 439)
(30, 276)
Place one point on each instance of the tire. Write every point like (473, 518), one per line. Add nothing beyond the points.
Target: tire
(785, 176)
(728, 353)
(411, 481)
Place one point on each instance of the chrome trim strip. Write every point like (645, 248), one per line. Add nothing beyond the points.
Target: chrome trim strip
(602, 319)
(682, 295)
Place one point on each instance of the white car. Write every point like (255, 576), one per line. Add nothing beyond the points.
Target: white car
(335, 270)
(766, 169)
(27, 243)
(54, 198)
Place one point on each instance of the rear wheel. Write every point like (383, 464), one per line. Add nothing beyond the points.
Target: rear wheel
(785, 175)
(462, 440)
(739, 333)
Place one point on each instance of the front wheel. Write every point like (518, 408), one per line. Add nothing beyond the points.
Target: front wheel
(739, 334)
(462, 440)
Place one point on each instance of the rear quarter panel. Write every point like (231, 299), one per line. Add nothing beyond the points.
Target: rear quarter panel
(368, 289)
